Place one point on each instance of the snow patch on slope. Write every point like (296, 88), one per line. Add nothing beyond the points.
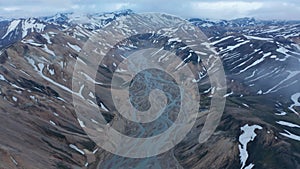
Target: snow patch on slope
(291, 135)
(76, 149)
(46, 49)
(247, 136)
(295, 97)
(284, 123)
(258, 38)
(12, 26)
(31, 25)
(75, 47)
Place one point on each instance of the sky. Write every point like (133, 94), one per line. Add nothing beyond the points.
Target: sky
(212, 9)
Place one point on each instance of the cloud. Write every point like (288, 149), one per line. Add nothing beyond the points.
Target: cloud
(279, 10)
(226, 9)
(11, 9)
(216, 9)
